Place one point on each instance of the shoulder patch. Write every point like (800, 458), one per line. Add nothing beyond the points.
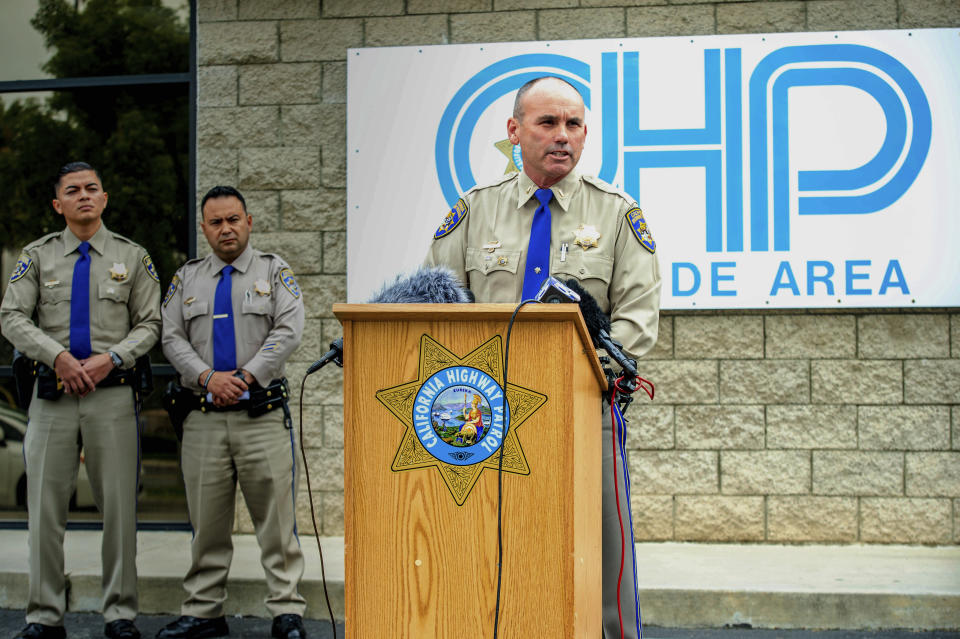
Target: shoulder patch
(290, 282)
(151, 270)
(639, 226)
(174, 285)
(23, 265)
(454, 217)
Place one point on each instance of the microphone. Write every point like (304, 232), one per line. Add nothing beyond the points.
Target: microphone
(426, 285)
(553, 291)
(335, 355)
(598, 325)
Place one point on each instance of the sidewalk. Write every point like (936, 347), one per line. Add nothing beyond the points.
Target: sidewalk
(681, 585)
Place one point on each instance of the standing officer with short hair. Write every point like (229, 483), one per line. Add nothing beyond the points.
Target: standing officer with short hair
(230, 321)
(504, 239)
(96, 298)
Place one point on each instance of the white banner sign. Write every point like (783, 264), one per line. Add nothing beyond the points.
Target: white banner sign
(775, 171)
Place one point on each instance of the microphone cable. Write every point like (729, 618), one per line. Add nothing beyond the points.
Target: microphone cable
(506, 430)
(618, 428)
(313, 516)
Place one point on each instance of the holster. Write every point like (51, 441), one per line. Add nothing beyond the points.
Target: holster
(23, 378)
(178, 402)
(49, 384)
(266, 399)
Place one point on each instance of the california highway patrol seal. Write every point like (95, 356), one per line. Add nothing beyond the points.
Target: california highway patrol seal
(459, 414)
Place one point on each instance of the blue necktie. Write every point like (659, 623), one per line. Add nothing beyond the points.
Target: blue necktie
(224, 340)
(538, 250)
(80, 304)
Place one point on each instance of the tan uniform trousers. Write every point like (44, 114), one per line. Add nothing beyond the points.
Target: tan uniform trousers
(220, 450)
(629, 610)
(107, 421)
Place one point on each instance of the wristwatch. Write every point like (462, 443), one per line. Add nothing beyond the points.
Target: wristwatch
(116, 359)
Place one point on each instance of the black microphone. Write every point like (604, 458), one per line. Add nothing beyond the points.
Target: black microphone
(335, 355)
(598, 325)
(426, 285)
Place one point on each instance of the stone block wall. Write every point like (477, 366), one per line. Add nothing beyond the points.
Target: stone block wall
(812, 427)
(770, 427)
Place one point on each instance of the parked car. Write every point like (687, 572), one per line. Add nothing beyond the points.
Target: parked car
(13, 475)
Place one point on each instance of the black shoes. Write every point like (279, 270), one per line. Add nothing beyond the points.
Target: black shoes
(40, 631)
(121, 629)
(288, 627)
(194, 628)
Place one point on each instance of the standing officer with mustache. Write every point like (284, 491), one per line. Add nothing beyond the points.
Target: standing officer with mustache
(230, 321)
(504, 239)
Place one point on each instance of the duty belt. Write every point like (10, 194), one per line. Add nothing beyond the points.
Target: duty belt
(263, 399)
(179, 401)
(50, 386)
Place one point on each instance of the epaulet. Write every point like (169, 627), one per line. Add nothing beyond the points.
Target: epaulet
(190, 264)
(599, 184)
(459, 211)
(123, 238)
(274, 258)
(489, 185)
(43, 240)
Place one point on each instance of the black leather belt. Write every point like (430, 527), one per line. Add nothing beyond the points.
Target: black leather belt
(263, 399)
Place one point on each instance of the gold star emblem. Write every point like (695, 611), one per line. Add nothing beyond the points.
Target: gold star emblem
(118, 271)
(586, 236)
(506, 147)
(261, 287)
(460, 478)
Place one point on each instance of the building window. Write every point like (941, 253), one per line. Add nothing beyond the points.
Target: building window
(112, 83)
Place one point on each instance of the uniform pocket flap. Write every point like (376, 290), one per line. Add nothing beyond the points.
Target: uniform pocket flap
(54, 295)
(255, 306)
(486, 262)
(194, 309)
(110, 290)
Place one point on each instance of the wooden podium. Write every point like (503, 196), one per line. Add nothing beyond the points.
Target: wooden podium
(420, 565)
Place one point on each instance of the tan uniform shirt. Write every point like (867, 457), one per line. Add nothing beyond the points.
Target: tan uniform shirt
(267, 315)
(488, 246)
(124, 297)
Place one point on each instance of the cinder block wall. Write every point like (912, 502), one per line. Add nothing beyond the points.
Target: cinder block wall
(769, 427)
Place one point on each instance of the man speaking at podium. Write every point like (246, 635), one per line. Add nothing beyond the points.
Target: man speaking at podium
(505, 238)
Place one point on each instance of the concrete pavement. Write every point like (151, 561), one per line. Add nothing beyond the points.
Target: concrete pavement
(681, 584)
